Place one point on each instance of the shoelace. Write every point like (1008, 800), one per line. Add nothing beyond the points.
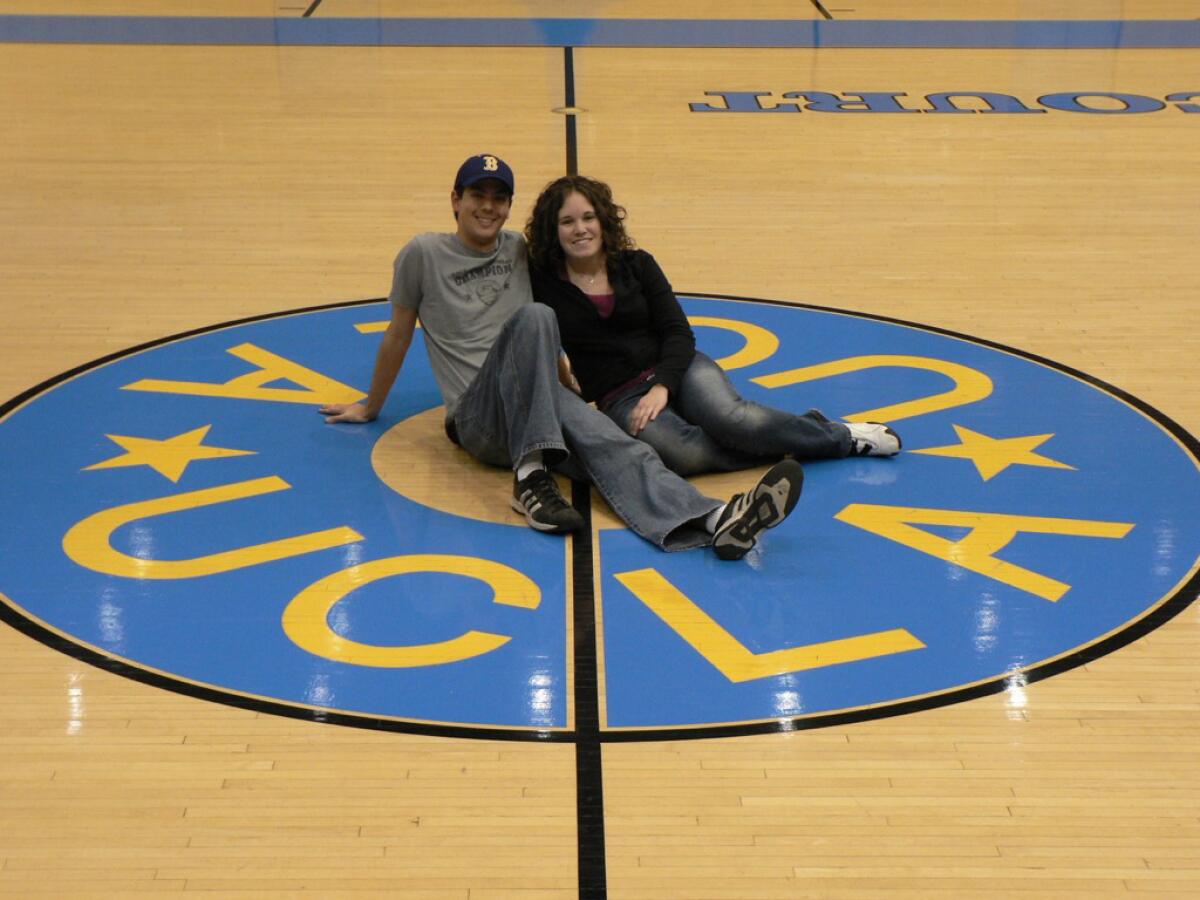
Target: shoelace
(734, 510)
(544, 491)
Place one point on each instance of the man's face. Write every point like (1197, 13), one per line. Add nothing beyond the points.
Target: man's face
(481, 209)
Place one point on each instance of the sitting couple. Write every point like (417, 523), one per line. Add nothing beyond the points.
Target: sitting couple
(662, 408)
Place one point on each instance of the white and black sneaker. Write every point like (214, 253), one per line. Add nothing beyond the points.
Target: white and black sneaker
(538, 499)
(872, 439)
(764, 506)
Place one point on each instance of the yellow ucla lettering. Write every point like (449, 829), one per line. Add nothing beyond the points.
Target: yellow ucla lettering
(760, 343)
(970, 384)
(988, 533)
(732, 658)
(377, 327)
(316, 388)
(88, 542)
(306, 623)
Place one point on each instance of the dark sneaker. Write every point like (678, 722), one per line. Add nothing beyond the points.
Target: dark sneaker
(765, 506)
(872, 439)
(537, 498)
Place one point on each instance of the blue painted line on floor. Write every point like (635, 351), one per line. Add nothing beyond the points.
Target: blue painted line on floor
(550, 32)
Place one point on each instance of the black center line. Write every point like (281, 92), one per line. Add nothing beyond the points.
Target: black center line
(589, 764)
(589, 774)
(569, 104)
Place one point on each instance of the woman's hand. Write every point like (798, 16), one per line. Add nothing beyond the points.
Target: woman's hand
(566, 376)
(652, 403)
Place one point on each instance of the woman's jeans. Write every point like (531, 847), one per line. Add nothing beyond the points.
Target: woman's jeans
(516, 405)
(708, 427)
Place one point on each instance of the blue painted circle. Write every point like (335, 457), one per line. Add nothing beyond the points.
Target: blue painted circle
(817, 579)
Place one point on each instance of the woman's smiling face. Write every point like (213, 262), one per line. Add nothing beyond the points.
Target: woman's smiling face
(579, 230)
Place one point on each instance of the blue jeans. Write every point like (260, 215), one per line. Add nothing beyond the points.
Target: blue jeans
(516, 405)
(708, 427)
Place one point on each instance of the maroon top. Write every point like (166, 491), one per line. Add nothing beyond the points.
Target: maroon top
(603, 302)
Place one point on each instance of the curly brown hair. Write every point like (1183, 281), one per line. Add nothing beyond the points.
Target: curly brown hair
(541, 231)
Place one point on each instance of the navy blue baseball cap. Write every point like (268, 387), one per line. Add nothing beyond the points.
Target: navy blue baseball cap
(485, 165)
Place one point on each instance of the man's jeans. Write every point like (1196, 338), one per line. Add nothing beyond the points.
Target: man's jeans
(708, 427)
(516, 405)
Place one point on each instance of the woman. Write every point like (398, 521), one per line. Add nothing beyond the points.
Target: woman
(634, 354)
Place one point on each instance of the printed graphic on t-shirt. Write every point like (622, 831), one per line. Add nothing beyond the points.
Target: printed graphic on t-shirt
(485, 283)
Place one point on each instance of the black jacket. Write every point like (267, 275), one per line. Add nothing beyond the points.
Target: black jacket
(647, 328)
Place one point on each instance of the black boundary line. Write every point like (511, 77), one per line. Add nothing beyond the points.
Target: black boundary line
(592, 878)
(820, 8)
(312, 8)
(1163, 613)
(257, 704)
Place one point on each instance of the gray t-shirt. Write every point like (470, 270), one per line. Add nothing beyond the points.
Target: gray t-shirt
(463, 298)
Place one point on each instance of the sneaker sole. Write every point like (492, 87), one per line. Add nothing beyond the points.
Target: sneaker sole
(765, 511)
(546, 527)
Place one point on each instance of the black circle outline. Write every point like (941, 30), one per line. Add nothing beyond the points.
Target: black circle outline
(1161, 614)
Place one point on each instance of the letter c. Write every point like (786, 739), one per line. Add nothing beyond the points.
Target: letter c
(305, 621)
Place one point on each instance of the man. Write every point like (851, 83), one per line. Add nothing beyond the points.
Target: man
(496, 358)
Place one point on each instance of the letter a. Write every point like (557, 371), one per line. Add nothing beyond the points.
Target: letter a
(988, 533)
(316, 388)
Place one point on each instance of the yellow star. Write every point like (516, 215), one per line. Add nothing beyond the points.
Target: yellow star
(168, 458)
(992, 456)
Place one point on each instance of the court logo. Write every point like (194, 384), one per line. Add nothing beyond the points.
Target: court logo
(943, 102)
(180, 512)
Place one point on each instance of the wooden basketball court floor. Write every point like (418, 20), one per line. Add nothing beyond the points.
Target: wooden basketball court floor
(153, 187)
